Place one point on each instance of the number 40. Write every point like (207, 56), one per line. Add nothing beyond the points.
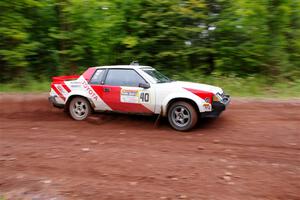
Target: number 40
(144, 97)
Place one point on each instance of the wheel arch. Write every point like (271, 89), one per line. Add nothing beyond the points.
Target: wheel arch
(92, 105)
(176, 99)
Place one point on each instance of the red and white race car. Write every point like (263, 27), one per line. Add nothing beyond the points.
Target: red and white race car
(139, 90)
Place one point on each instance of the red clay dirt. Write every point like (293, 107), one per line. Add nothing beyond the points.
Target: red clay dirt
(252, 151)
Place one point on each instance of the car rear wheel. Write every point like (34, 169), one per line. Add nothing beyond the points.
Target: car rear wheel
(182, 116)
(79, 108)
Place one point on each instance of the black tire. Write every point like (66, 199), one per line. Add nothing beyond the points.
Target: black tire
(182, 116)
(79, 108)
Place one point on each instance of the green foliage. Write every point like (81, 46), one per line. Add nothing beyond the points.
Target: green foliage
(248, 38)
(15, 41)
(252, 86)
(30, 86)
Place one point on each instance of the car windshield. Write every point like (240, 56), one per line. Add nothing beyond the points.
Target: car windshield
(157, 76)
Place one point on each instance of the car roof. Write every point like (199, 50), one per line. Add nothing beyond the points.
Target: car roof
(123, 67)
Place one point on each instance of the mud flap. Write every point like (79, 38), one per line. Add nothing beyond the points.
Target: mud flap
(158, 119)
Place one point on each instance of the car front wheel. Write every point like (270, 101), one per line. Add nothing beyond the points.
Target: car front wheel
(79, 108)
(182, 116)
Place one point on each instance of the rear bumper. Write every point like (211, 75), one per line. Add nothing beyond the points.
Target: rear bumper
(53, 101)
(217, 107)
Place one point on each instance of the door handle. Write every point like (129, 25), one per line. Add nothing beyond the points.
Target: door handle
(106, 89)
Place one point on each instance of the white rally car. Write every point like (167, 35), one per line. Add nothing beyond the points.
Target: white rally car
(139, 90)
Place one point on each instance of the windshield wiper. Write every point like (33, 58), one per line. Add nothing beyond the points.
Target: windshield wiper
(165, 81)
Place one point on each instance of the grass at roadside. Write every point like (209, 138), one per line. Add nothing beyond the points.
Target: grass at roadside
(29, 86)
(250, 86)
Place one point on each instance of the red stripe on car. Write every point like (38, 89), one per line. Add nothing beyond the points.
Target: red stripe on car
(61, 79)
(113, 99)
(87, 75)
(66, 88)
(58, 92)
(202, 94)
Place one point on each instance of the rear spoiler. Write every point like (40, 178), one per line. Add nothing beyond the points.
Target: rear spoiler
(65, 78)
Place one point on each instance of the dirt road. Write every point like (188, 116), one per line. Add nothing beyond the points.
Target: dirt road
(251, 152)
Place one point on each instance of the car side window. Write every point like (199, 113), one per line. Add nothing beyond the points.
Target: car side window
(123, 77)
(97, 77)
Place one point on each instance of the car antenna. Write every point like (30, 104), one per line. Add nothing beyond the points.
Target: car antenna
(135, 63)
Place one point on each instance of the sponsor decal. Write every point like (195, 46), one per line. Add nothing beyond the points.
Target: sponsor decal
(63, 90)
(207, 106)
(129, 96)
(75, 84)
(58, 92)
(60, 89)
(89, 90)
(134, 96)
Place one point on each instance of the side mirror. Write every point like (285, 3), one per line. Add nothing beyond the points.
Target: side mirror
(144, 85)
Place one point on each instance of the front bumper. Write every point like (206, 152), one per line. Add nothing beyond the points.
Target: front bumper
(53, 101)
(217, 107)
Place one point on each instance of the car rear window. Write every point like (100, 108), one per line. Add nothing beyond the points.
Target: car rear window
(97, 77)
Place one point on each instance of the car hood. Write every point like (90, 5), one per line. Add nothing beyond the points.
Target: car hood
(197, 86)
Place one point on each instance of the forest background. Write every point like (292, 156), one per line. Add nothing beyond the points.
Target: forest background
(249, 47)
